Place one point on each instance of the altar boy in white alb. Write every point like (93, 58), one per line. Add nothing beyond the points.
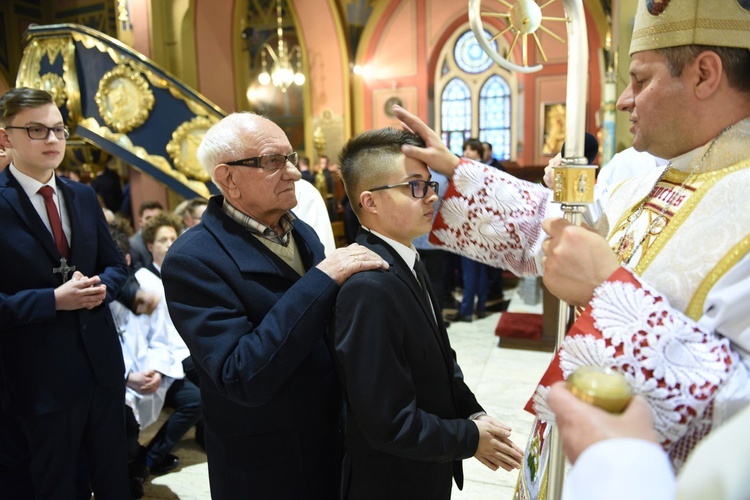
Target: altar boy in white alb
(666, 282)
(183, 395)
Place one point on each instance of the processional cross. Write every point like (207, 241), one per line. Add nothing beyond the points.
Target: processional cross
(573, 182)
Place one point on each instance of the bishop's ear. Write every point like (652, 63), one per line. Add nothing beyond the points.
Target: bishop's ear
(708, 69)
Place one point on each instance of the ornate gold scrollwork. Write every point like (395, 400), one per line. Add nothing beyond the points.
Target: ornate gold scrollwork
(574, 184)
(55, 85)
(124, 98)
(157, 161)
(64, 88)
(184, 144)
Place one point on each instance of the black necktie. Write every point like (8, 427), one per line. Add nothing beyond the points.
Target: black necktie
(419, 271)
(421, 278)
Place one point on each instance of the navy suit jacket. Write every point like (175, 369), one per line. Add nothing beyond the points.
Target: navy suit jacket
(407, 405)
(50, 358)
(256, 333)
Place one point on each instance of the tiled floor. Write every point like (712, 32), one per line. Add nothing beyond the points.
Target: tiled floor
(502, 379)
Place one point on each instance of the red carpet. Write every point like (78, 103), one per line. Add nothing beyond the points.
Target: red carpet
(519, 326)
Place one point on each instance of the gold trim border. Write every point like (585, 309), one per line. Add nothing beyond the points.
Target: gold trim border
(159, 162)
(692, 24)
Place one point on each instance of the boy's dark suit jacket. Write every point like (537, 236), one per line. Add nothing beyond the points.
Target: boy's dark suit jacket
(256, 333)
(52, 360)
(49, 358)
(407, 409)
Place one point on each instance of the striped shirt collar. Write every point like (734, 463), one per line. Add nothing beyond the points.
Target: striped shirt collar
(258, 228)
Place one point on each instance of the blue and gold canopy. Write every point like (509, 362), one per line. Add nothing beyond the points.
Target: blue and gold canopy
(120, 101)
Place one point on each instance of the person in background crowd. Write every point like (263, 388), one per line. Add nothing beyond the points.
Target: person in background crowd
(138, 251)
(311, 208)
(108, 188)
(143, 400)
(190, 212)
(304, 168)
(488, 158)
(475, 274)
(168, 370)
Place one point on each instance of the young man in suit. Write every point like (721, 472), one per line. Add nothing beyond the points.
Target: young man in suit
(250, 290)
(410, 418)
(61, 363)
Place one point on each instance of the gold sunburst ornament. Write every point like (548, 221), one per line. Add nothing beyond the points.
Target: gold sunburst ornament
(124, 98)
(524, 18)
(184, 145)
(55, 85)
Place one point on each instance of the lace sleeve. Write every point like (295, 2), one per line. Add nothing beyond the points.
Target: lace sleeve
(492, 217)
(670, 361)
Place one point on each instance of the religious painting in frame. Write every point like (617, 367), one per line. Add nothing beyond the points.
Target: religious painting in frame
(552, 130)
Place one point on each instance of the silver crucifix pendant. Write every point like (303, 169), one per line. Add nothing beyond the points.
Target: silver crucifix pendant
(64, 269)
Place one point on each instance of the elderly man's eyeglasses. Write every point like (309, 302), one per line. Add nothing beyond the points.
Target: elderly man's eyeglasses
(41, 132)
(267, 162)
(419, 188)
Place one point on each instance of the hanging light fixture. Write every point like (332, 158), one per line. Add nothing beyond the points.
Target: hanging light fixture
(287, 62)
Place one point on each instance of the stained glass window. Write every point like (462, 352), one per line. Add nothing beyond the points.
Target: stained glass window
(456, 114)
(474, 96)
(470, 56)
(494, 116)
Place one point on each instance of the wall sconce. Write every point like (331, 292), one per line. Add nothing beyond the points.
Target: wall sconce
(287, 62)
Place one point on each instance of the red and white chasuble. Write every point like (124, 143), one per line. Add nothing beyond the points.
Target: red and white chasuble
(673, 319)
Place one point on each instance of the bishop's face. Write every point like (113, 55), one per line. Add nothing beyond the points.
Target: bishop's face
(659, 105)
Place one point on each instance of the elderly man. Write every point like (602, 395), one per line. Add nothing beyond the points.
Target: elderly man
(662, 307)
(250, 291)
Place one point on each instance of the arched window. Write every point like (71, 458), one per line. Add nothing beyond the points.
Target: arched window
(494, 116)
(474, 96)
(456, 114)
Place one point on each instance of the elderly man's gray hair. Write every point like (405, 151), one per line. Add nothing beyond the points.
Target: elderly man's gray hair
(225, 141)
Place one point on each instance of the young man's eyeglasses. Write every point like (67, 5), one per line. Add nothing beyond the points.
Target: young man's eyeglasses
(267, 162)
(419, 188)
(41, 132)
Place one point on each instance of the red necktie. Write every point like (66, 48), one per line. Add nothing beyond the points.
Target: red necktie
(54, 220)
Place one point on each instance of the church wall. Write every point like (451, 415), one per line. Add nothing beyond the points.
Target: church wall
(402, 41)
(141, 21)
(329, 98)
(396, 66)
(214, 51)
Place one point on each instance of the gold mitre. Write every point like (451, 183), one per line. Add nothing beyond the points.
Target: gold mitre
(672, 23)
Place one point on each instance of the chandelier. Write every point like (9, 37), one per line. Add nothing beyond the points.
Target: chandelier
(287, 61)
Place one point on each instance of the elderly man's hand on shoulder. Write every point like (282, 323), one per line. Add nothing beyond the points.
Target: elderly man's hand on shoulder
(344, 262)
